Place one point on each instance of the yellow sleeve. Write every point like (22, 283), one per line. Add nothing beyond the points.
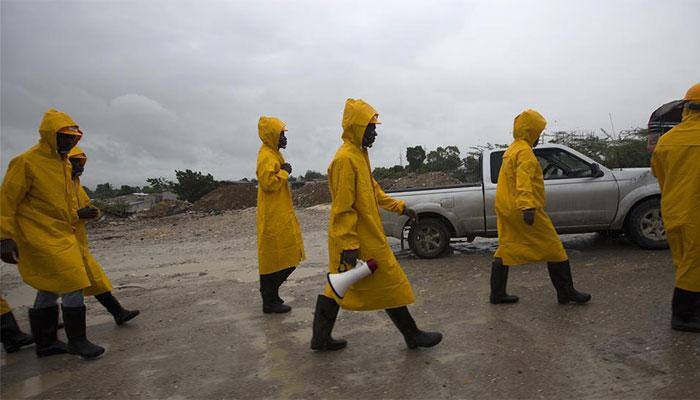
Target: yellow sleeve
(343, 223)
(657, 169)
(14, 187)
(270, 177)
(387, 202)
(525, 167)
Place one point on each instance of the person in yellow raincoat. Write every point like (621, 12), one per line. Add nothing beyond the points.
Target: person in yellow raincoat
(355, 231)
(280, 245)
(38, 214)
(11, 336)
(676, 164)
(525, 232)
(100, 286)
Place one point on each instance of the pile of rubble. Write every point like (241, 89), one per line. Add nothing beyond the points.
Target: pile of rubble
(428, 179)
(165, 208)
(228, 196)
(311, 194)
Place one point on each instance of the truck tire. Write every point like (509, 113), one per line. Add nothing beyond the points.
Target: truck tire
(429, 238)
(645, 227)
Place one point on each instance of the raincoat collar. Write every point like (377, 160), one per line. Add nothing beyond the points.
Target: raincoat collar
(690, 115)
(52, 122)
(356, 117)
(528, 126)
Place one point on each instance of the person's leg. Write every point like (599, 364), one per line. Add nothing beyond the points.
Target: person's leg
(73, 305)
(324, 319)
(268, 287)
(413, 336)
(120, 314)
(11, 336)
(499, 281)
(282, 277)
(684, 312)
(43, 320)
(560, 274)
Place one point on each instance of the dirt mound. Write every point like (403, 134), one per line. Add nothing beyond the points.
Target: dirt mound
(311, 194)
(229, 196)
(165, 208)
(429, 179)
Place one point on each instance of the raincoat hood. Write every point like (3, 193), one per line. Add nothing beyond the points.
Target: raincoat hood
(269, 129)
(356, 117)
(528, 126)
(52, 122)
(77, 152)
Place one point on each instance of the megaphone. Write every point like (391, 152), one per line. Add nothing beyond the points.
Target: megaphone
(342, 281)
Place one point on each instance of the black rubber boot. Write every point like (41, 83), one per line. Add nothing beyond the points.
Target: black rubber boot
(74, 320)
(499, 280)
(560, 274)
(120, 314)
(268, 290)
(324, 319)
(11, 336)
(44, 323)
(282, 277)
(685, 317)
(413, 336)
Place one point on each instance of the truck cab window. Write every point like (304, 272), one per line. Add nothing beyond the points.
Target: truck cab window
(560, 164)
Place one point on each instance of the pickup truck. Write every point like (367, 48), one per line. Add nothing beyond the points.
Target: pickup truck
(581, 196)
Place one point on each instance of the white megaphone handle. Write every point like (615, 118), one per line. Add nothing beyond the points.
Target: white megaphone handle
(340, 282)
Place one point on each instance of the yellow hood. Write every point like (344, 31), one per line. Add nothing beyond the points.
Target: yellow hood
(77, 152)
(269, 129)
(52, 122)
(356, 117)
(528, 126)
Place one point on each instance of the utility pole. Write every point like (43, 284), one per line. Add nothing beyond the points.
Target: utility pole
(612, 126)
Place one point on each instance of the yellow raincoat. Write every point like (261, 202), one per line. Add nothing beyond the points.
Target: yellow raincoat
(521, 187)
(99, 283)
(355, 222)
(280, 244)
(676, 164)
(38, 210)
(4, 307)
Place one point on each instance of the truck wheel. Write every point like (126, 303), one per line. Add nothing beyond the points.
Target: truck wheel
(645, 227)
(429, 238)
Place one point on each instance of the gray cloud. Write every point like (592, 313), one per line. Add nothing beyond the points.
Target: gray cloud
(164, 85)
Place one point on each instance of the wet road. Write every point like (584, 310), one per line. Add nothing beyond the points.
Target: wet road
(202, 335)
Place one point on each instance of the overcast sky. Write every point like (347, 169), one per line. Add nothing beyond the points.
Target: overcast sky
(164, 85)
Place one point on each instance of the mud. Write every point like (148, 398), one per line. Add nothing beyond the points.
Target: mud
(201, 333)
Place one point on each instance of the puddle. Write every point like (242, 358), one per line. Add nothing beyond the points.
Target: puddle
(35, 385)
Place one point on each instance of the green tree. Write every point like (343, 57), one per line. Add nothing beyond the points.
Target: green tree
(394, 172)
(311, 175)
(415, 157)
(126, 189)
(444, 159)
(158, 185)
(89, 192)
(104, 191)
(192, 186)
(627, 149)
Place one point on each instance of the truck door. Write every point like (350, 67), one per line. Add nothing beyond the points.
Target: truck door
(575, 199)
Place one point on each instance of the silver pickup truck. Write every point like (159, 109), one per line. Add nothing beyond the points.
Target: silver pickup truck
(581, 196)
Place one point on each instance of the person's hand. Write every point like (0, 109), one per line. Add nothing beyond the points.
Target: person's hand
(529, 216)
(411, 213)
(349, 258)
(9, 251)
(88, 213)
(287, 167)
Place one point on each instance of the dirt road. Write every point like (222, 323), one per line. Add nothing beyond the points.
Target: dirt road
(201, 333)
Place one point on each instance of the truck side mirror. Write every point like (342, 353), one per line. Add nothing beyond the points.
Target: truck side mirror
(596, 172)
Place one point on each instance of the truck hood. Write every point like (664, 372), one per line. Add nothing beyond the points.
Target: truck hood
(641, 175)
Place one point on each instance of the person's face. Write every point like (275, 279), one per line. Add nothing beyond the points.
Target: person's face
(283, 141)
(65, 142)
(77, 167)
(369, 136)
